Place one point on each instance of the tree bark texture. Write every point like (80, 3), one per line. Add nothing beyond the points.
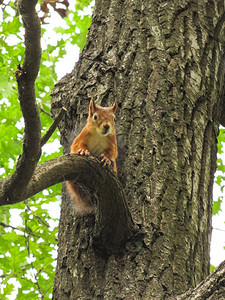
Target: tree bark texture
(163, 61)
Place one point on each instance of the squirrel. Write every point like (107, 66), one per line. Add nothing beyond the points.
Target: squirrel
(97, 138)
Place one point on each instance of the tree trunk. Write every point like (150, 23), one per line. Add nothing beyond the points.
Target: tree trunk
(164, 64)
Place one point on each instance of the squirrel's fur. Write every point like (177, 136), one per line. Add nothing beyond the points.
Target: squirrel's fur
(97, 138)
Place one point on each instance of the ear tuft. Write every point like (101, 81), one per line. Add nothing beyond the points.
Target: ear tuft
(92, 107)
(114, 107)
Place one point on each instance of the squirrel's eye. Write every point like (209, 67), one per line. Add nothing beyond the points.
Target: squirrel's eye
(95, 117)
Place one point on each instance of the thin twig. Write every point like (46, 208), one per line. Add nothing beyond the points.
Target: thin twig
(15, 228)
(47, 290)
(52, 128)
(44, 111)
(214, 228)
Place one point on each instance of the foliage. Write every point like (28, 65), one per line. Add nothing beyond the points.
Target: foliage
(28, 231)
(220, 178)
(217, 206)
(212, 268)
(220, 175)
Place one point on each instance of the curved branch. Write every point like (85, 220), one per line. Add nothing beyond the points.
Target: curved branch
(17, 183)
(114, 224)
(211, 288)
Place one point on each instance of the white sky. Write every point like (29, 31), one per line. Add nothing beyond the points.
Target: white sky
(218, 234)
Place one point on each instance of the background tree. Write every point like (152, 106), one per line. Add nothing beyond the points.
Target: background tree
(164, 66)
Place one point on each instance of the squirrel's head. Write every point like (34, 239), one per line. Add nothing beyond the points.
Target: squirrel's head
(102, 118)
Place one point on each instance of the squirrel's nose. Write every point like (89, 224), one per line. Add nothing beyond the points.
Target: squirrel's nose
(106, 127)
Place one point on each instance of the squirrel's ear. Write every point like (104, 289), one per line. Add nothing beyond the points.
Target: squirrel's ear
(114, 107)
(92, 107)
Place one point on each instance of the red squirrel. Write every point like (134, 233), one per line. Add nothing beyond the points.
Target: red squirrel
(97, 138)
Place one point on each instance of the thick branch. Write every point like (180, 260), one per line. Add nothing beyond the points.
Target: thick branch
(211, 288)
(113, 220)
(32, 28)
(16, 184)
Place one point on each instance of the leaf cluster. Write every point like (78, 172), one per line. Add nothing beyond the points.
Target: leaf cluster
(28, 251)
(220, 175)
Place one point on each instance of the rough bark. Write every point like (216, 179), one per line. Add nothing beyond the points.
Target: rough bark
(212, 288)
(164, 64)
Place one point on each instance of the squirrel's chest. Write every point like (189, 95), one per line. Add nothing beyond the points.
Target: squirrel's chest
(97, 144)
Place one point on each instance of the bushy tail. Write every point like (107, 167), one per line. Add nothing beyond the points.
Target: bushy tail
(80, 197)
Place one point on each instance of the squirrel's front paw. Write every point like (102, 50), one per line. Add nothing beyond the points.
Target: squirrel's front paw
(105, 160)
(83, 152)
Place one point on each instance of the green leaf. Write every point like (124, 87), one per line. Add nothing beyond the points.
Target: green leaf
(220, 165)
(217, 206)
(212, 268)
(221, 140)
